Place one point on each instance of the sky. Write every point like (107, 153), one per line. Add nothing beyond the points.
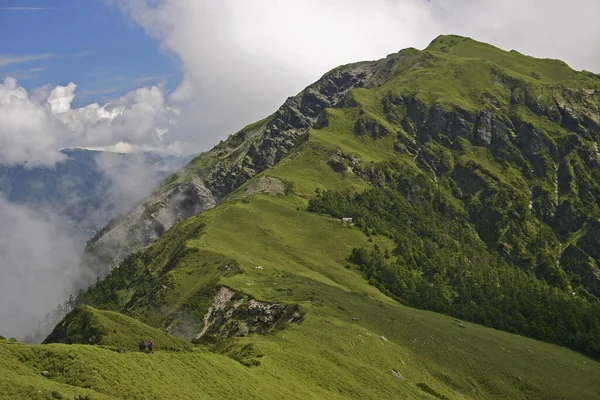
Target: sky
(88, 42)
(178, 76)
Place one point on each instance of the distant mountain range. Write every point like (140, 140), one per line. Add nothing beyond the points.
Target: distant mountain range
(90, 187)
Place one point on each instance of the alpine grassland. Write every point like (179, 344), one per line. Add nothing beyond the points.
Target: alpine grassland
(468, 269)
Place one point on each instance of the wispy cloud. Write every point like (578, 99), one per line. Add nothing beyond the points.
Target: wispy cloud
(23, 75)
(145, 79)
(95, 92)
(118, 83)
(11, 59)
(22, 8)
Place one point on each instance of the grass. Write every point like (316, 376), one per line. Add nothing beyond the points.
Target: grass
(329, 355)
(110, 375)
(555, 72)
(85, 325)
(353, 337)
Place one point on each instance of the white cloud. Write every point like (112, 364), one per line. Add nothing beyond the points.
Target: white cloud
(241, 59)
(35, 126)
(24, 128)
(61, 97)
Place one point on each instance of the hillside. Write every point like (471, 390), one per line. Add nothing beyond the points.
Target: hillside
(498, 145)
(86, 325)
(470, 174)
(328, 356)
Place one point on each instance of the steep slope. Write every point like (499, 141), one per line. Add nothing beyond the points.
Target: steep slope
(498, 144)
(350, 343)
(529, 124)
(328, 356)
(446, 161)
(212, 175)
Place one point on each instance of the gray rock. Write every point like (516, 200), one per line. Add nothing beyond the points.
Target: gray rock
(566, 219)
(483, 130)
(236, 314)
(397, 374)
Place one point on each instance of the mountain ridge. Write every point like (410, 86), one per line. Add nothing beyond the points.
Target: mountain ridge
(486, 155)
(309, 99)
(470, 177)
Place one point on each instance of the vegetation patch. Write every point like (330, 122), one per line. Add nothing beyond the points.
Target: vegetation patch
(86, 325)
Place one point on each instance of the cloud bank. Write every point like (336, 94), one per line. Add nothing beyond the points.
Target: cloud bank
(240, 60)
(43, 235)
(39, 267)
(35, 126)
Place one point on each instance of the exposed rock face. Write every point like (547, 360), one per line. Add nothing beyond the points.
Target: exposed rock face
(265, 185)
(341, 162)
(236, 314)
(582, 258)
(566, 219)
(214, 174)
(590, 242)
(148, 221)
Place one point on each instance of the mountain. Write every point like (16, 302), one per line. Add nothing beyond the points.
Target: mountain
(470, 175)
(499, 146)
(88, 188)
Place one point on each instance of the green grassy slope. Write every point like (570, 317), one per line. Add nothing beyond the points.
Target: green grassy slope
(86, 325)
(303, 257)
(329, 355)
(354, 341)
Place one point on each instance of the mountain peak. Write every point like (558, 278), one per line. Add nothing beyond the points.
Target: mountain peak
(462, 179)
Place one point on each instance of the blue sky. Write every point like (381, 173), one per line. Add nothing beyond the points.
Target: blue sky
(88, 42)
(226, 63)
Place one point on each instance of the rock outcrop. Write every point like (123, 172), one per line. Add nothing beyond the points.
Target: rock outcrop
(236, 314)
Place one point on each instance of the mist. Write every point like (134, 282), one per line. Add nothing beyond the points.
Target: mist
(41, 242)
(39, 266)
